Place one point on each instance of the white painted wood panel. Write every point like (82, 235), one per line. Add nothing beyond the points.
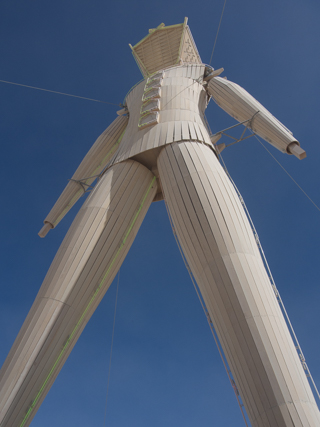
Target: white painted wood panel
(93, 164)
(182, 99)
(74, 286)
(207, 215)
(242, 106)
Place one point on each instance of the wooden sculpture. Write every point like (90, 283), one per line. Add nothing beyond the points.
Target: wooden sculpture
(159, 147)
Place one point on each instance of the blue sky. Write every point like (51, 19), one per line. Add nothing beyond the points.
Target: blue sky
(165, 367)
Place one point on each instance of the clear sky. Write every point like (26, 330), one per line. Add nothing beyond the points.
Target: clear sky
(165, 366)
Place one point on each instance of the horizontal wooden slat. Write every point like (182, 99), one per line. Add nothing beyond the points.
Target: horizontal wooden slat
(182, 104)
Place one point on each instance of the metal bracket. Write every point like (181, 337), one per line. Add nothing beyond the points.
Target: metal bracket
(218, 135)
(86, 187)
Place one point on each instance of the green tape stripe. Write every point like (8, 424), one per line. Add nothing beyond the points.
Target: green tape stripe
(106, 157)
(86, 309)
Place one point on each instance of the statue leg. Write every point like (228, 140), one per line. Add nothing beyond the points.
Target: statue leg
(82, 270)
(221, 251)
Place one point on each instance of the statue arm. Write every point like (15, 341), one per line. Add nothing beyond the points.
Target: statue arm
(92, 165)
(237, 102)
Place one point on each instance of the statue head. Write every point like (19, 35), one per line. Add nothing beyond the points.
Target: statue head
(165, 47)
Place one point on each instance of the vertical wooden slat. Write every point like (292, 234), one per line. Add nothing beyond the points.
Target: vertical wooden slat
(69, 295)
(182, 99)
(220, 250)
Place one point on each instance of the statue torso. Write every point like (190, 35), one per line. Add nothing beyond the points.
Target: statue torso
(168, 107)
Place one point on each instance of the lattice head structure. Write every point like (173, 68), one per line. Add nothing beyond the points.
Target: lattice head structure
(165, 47)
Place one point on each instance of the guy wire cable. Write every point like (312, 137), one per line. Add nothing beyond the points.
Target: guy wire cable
(282, 167)
(225, 1)
(59, 93)
(272, 282)
(204, 308)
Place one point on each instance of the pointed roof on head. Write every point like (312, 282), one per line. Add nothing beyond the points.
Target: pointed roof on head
(164, 47)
